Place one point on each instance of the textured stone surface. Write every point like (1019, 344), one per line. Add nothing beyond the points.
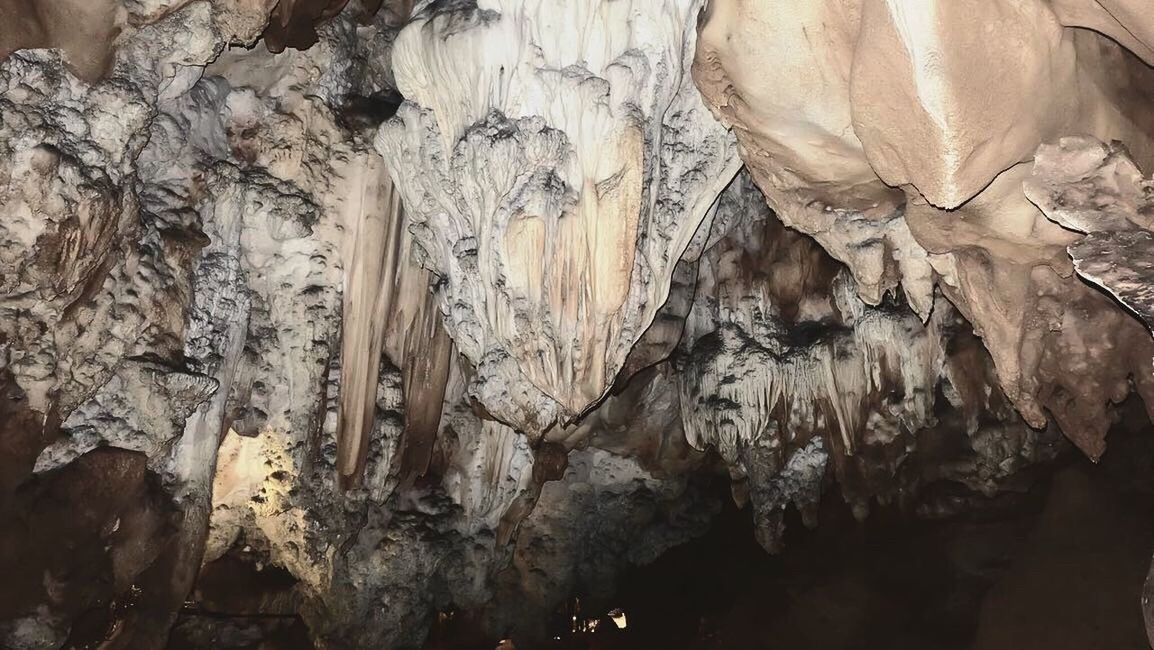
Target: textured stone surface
(454, 311)
(553, 183)
(1096, 189)
(231, 292)
(895, 133)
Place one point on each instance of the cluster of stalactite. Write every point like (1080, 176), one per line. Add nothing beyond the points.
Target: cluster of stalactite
(447, 303)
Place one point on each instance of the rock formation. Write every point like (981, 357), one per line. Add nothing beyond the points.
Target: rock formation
(904, 156)
(600, 162)
(465, 304)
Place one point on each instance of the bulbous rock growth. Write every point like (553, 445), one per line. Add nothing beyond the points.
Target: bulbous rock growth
(557, 161)
(903, 147)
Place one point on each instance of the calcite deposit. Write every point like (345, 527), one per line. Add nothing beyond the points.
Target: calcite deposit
(466, 305)
(904, 156)
(554, 184)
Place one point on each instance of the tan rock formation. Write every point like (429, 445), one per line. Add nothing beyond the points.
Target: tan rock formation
(895, 133)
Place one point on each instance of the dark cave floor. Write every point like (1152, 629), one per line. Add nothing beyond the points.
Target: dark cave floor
(1067, 577)
(1060, 567)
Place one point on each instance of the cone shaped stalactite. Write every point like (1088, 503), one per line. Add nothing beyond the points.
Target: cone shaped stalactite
(388, 308)
(556, 227)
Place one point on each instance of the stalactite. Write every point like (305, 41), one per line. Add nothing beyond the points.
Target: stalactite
(388, 308)
(222, 335)
(554, 226)
(828, 136)
(373, 231)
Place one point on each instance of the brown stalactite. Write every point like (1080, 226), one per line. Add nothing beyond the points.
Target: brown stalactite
(428, 351)
(375, 228)
(388, 309)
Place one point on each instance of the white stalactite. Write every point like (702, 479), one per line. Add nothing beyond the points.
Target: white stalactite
(556, 162)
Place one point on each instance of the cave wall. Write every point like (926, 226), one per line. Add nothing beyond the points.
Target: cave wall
(460, 304)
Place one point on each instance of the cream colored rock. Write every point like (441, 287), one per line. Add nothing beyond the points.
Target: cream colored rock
(778, 72)
(946, 95)
(556, 161)
(491, 467)
(906, 108)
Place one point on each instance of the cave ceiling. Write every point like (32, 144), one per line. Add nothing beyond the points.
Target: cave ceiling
(448, 301)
